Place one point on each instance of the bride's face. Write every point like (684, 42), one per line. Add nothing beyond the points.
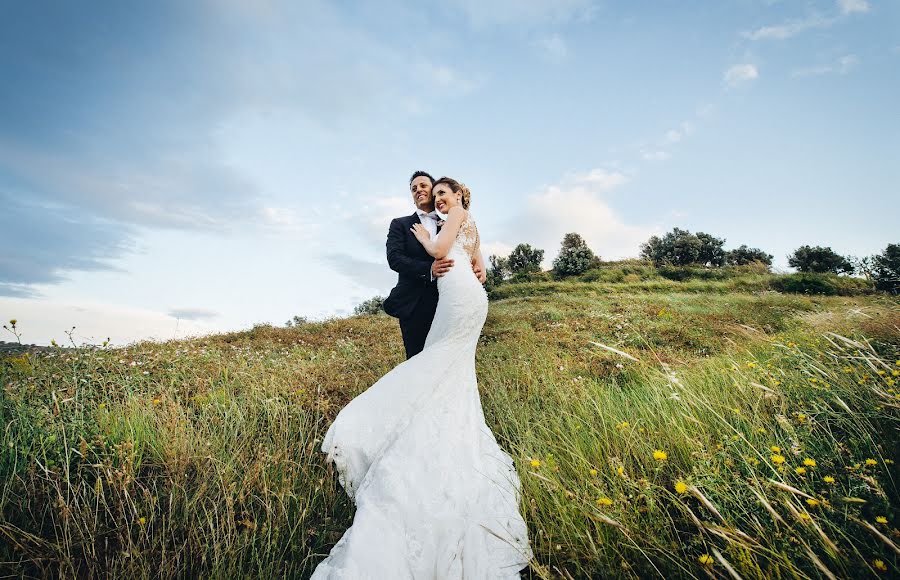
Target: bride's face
(444, 198)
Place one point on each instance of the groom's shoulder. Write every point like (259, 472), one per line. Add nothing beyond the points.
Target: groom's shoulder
(403, 219)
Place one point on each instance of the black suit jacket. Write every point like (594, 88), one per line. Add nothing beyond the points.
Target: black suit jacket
(407, 257)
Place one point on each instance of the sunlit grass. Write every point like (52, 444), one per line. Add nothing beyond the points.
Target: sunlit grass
(730, 429)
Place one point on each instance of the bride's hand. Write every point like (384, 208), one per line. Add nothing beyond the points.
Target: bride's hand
(421, 233)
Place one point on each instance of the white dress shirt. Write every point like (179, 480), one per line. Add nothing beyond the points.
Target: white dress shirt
(429, 220)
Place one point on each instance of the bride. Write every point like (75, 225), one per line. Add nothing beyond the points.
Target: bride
(435, 495)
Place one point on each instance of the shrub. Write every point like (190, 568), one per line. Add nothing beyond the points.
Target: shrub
(681, 248)
(524, 259)
(371, 306)
(743, 255)
(825, 284)
(820, 260)
(574, 257)
(886, 269)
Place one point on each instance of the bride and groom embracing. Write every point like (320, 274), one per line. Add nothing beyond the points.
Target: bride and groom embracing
(435, 495)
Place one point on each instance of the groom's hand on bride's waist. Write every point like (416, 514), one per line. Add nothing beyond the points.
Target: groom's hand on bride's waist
(441, 267)
(479, 272)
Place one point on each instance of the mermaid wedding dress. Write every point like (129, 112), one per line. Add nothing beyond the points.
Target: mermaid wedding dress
(436, 497)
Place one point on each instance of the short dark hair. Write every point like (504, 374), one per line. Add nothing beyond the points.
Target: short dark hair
(421, 174)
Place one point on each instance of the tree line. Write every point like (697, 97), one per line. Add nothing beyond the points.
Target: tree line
(680, 247)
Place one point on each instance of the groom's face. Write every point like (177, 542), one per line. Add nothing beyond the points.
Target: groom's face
(421, 193)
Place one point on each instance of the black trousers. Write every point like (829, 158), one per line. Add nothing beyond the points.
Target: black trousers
(415, 328)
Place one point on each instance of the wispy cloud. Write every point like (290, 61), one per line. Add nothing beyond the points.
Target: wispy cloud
(740, 74)
(789, 28)
(841, 66)
(193, 313)
(528, 13)
(814, 20)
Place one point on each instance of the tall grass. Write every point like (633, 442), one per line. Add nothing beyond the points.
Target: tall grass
(642, 423)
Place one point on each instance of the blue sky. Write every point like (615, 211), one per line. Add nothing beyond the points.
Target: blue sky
(170, 168)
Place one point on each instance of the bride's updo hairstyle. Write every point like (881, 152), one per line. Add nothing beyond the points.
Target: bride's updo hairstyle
(456, 187)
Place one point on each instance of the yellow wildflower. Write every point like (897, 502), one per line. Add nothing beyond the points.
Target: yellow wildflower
(535, 462)
(828, 479)
(681, 487)
(881, 520)
(895, 373)
(801, 417)
(800, 470)
(705, 559)
(775, 449)
(761, 431)
(142, 520)
(660, 455)
(604, 501)
(809, 462)
(156, 401)
(880, 565)
(620, 470)
(812, 502)
(622, 425)
(871, 462)
(593, 472)
(804, 516)
(777, 459)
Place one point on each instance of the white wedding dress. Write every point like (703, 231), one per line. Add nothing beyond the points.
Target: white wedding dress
(436, 497)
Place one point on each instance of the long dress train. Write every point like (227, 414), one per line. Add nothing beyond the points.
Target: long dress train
(436, 496)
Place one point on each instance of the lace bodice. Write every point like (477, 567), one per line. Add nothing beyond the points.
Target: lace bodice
(467, 236)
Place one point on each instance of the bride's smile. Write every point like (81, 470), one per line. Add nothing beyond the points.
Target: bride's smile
(444, 198)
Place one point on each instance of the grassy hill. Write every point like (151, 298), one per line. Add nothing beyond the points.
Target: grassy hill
(676, 424)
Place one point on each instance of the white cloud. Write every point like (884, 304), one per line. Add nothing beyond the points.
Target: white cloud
(378, 216)
(841, 66)
(601, 179)
(739, 74)
(553, 47)
(193, 313)
(575, 205)
(673, 136)
(851, 6)
(489, 249)
(655, 155)
(43, 320)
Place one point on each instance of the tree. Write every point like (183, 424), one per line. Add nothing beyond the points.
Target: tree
(743, 255)
(498, 272)
(819, 259)
(525, 259)
(682, 248)
(886, 269)
(296, 321)
(574, 256)
(711, 251)
(373, 305)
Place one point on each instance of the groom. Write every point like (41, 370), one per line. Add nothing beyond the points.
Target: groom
(414, 299)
